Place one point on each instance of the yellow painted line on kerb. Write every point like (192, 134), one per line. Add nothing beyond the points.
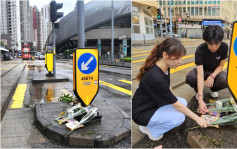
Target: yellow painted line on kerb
(116, 87)
(188, 56)
(125, 81)
(18, 97)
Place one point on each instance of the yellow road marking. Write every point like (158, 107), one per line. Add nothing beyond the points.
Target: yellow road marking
(116, 87)
(141, 51)
(225, 65)
(190, 65)
(188, 56)
(182, 67)
(139, 55)
(5, 69)
(137, 49)
(18, 97)
(125, 81)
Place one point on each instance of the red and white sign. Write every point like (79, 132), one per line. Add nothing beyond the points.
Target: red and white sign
(179, 19)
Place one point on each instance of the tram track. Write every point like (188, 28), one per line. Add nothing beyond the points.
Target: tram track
(9, 97)
(11, 69)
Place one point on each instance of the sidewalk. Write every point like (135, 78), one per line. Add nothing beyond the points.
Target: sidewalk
(113, 127)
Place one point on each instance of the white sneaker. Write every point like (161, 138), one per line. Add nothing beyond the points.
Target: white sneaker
(214, 94)
(146, 131)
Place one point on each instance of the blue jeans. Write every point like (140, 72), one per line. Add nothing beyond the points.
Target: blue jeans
(165, 119)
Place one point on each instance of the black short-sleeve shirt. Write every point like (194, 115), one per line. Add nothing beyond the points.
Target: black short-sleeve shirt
(209, 60)
(152, 93)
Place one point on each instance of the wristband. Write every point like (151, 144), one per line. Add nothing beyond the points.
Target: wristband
(212, 76)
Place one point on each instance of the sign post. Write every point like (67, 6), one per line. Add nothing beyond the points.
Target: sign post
(85, 75)
(232, 63)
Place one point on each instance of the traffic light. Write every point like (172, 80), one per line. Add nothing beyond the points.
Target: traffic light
(54, 15)
(158, 14)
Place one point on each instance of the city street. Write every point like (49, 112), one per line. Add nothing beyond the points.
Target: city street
(176, 137)
(19, 96)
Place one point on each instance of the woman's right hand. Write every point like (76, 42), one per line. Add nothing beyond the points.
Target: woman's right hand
(202, 107)
(201, 122)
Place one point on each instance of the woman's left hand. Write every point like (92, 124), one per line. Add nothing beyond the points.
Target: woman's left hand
(209, 82)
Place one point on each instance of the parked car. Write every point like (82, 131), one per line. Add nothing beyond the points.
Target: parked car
(173, 35)
(37, 56)
(41, 57)
(7, 56)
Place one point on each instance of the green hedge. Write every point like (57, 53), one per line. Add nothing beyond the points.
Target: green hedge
(126, 59)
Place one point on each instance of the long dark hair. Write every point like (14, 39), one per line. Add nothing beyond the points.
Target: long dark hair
(171, 46)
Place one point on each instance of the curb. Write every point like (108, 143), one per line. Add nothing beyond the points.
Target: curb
(80, 139)
(34, 80)
(106, 71)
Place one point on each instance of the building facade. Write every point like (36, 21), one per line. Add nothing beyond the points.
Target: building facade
(10, 21)
(46, 26)
(142, 19)
(25, 14)
(190, 17)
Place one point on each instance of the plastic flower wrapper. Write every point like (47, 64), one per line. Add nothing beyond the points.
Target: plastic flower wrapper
(229, 119)
(79, 112)
(91, 113)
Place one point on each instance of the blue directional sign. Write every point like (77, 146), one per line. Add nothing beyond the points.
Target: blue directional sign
(235, 46)
(87, 63)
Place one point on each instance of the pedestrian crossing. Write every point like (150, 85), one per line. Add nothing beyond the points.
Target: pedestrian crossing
(179, 68)
(117, 87)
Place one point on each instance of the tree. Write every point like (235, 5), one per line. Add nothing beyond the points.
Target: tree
(2, 44)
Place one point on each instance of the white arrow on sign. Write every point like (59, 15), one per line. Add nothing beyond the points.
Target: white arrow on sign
(84, 65)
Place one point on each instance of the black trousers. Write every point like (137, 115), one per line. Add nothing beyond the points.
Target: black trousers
(220, 81)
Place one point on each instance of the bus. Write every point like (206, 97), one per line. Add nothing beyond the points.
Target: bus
(26, 55)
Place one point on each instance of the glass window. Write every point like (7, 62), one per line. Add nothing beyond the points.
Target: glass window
(136, 29)
(213, 11)
(134, 9)
(192, 11)
(200, 11)
(209, 1)
(217, 11)
(146, 21)
(205, 11)
(205, 1)
(122, 24)
(209, 11)
(135, 20)
(218, 2)
(214, 2)
(192, 2)
(196, 11)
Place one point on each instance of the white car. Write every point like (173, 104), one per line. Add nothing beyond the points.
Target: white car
(41, 57)
(173, 35)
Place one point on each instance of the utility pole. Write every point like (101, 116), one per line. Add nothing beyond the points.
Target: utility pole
(166, 31)
(54, 15)
(112, 39)
(170, 20)
(80, 24)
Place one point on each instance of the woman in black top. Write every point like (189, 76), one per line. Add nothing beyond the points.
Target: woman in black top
(154, 104)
